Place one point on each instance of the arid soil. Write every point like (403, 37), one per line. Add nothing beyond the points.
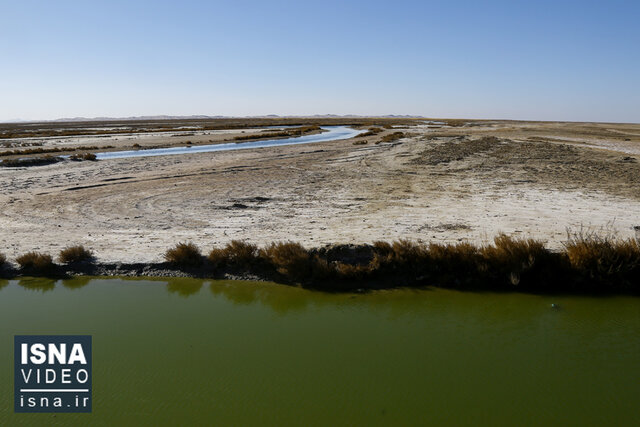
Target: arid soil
(464, 180)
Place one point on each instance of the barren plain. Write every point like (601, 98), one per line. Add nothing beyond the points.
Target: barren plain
(441, 181)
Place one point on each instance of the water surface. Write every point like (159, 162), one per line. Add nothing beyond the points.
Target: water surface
(333, 133)
(193, 352)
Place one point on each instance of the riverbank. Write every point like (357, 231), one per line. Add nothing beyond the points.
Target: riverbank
(588, 264)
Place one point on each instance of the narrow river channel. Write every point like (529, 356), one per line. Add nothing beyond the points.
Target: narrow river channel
(332, 133)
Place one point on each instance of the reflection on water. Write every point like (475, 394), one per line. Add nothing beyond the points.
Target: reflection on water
(333, 133)
(184, 287)
(247, 293)
(192, 352)
(37, 284)
(76, 282)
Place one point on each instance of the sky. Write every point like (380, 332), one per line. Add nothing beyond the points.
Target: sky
(542, 60)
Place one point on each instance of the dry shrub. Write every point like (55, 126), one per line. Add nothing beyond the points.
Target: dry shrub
(242, 254)
(35, 262)
(184, 255)
(75, 254)
(3, 260)
(30, 161)
(603, 259)
(372, 131)
(516, 259)
(393, 136)
(218, 258)
(321, 269)
(236, 254)
(83, 156)
(290, 259)
(352, 271)
(460, 263)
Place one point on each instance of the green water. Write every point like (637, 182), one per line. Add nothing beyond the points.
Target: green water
(191, 352)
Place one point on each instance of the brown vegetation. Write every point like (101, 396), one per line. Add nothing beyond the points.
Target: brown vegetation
(36, 263)
(41, 150)
(588, 264)
(186, 255)
(393, 136)
(73, 254)
(372, 131)
(236, 254)
(604, 259)
(299, 131)
(30, 161)
(84, 156)
(117, 127)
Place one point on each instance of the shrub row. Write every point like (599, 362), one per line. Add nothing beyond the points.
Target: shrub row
(42, 150)
(285, 133)
(37, 263)
(586, 265)
(30, 161)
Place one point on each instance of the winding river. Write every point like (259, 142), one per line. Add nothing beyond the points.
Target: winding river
(332, 133)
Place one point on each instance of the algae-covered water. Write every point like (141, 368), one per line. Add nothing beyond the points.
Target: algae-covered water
(193, 352)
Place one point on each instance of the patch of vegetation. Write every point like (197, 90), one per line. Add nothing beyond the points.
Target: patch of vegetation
(84, 156)
(362, 142)
(41, 150)
(289, 259)
(75, 254)
(185, 255)
(372, 131)
(115, 127)
(3, 260)
(36, 263)
(235, 255)
(299, 131)
(30, 161)
(604, 261)
(393, 136)
(509, 264)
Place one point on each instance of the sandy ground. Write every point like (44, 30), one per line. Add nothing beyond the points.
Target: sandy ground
(444, 184)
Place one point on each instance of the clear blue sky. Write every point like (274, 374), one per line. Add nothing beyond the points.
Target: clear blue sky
(549, 60)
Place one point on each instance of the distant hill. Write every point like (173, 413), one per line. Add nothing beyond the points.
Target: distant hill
(199, 117)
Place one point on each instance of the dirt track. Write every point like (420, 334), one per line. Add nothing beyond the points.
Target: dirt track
(443, 184)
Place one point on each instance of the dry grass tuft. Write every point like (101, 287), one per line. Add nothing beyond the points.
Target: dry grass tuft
(75, 254)
(515, 260)
(3, 260)
(605, 259)
(36, 263)
(236, 254)
(185, 255)
(393, 136)
(83, 156)
(290, 259)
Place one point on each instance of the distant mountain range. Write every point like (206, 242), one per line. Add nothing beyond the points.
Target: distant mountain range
(108, 119)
